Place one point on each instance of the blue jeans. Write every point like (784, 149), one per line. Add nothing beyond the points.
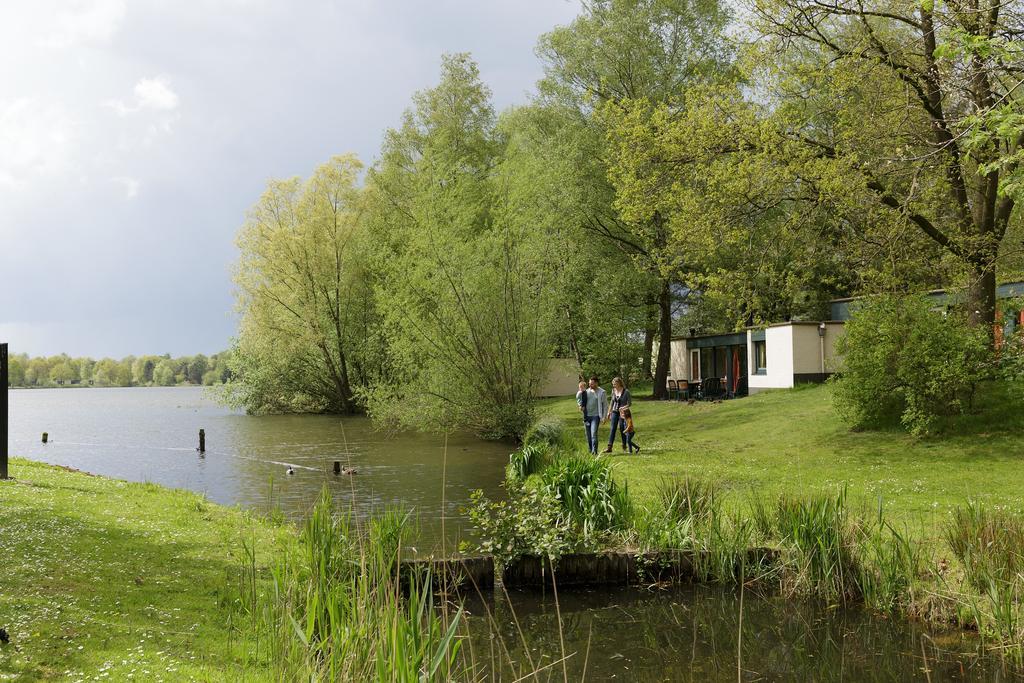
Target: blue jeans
(590, 424)
(632, 444)
(620, 424)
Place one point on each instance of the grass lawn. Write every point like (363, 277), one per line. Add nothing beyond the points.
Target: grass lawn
(793, 442)
(108, 580)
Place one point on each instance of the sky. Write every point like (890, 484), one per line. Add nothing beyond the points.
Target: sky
(134, 135)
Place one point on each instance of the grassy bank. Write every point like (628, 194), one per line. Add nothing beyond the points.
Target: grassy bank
(792, 442)
(121, 581)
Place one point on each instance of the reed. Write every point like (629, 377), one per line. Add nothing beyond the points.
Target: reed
(334, 608)
(530, 459)
(816, 535)
(989, 544)
(589, 494)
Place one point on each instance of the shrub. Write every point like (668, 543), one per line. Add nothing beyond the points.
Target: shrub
(902, 361)
(589, 494)
(547, 431)
(529, 459)
(530, 522)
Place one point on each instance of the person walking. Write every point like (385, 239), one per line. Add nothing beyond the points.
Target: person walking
(620, 399)
(597, 405)
(581, 403)
(627, 419)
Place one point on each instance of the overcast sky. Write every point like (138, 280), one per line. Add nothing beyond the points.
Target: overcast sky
(135, 134)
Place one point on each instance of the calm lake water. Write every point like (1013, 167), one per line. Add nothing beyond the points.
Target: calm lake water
(687, 634)
(692, 633)
(151, 434)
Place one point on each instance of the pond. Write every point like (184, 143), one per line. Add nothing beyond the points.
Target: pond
(151, 434)
(705, 634)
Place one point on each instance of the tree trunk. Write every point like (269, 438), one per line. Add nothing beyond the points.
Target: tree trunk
(664, 340)
(981, 298)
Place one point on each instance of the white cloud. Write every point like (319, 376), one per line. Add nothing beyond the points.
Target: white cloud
(85, 21)
(150, 93)
(155, 93)
(129, 185)
(36, 139)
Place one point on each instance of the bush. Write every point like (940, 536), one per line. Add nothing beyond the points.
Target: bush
(903, 362)
(547, 431)
(531, 521)
(529, 459)
(589, 494)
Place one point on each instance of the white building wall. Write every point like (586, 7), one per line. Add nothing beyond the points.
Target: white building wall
(562, 378)
(808, 347)
(833, 331)
(679, 367)
(779, 352)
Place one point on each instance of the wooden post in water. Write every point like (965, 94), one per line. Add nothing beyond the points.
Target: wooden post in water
(46, 437)
(3, 411)
(337, 467)
(202, 441)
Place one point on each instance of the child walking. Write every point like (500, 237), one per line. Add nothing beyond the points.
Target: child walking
(630, 430)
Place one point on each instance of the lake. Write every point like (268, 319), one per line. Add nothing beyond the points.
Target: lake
(151, 435)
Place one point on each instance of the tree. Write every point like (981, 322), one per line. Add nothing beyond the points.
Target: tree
(196, 368)
(309, 333)
(142, 370)
(16, 371)
(625, 50)
(62, 372)
(163, 373)
(912, 104)
(464, 278)
(733, 206)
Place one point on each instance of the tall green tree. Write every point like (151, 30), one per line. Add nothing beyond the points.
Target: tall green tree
(308, 335)
(628, 50)
(464, 282)
(908, 104)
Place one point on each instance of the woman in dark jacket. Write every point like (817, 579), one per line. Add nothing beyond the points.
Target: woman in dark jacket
(620, 399)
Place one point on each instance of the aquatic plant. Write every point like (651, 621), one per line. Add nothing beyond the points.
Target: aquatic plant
(335, 608)
(888, 564)
(989, 544)
(589, 494)
(816, 536)
(687, 499)
(530, 459)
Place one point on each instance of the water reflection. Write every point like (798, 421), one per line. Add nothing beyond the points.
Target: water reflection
(692, 633)
(152, 434)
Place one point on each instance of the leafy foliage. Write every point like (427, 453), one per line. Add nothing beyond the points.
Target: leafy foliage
(307, 338)
(464, 286)
(903, 362)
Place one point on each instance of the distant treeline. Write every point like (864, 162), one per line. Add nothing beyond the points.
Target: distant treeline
(132, 371)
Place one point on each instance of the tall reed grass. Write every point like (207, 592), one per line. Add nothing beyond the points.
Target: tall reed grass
(335, 608)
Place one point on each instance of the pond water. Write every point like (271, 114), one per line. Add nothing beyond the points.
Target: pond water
(696, 633)
(151, 434)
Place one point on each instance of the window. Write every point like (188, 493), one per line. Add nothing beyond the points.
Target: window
(694, 366)
(761, 357)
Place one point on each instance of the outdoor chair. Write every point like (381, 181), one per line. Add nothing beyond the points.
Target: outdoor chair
(711, 389)
(684, 390)
(673, 389)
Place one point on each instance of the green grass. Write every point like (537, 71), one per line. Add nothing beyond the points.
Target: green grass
(120, 581)
(791, 442)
